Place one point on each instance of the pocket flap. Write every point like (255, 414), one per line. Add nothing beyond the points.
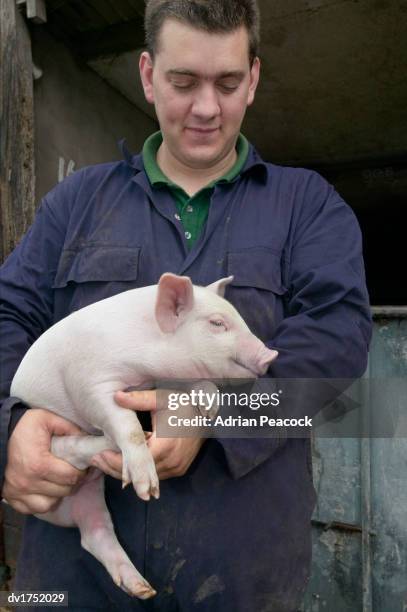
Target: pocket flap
(258, 267)
(97, 263)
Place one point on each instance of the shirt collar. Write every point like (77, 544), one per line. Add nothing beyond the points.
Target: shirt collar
(157, 177)
(254, 163)
(135, 161)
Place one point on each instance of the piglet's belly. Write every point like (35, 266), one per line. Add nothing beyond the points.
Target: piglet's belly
(50, 397)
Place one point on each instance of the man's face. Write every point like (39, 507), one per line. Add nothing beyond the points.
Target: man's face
(200, 84)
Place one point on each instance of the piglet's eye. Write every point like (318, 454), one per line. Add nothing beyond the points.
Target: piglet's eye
(218, 323)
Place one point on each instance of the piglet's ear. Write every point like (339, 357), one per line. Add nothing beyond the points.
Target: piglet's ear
(219, 286)
(175, 297)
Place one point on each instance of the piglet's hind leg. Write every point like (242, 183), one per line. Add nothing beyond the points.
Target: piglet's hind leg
(91, 515)
(79, 450)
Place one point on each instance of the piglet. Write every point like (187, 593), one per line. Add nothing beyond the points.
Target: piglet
(166, 331)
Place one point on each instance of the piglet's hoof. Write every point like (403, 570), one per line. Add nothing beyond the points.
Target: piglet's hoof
(130, 581)
(139, 469)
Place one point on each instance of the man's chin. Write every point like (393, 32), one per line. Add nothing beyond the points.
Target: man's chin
(200, 157)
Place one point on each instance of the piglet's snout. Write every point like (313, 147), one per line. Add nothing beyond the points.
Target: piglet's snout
(255, 355)
(264, 359)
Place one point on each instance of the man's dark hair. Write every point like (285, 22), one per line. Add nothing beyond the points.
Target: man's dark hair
(215, 16)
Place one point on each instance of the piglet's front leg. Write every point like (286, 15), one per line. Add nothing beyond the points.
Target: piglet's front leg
(122, 427)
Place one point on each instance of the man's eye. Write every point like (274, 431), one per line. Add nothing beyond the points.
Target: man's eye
(183, 84)
(228, 87)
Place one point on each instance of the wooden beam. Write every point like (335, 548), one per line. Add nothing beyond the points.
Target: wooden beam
(35, 9)
(17, 176)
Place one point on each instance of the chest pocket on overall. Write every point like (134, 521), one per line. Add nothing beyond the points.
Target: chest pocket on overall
(257, 290)
(92, 273)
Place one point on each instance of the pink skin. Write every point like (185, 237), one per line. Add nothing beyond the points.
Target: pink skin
(245, 356)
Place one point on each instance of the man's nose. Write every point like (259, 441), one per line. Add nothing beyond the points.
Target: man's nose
(206, 102)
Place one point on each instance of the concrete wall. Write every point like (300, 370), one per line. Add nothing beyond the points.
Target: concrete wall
(78, 116)
(333, 85)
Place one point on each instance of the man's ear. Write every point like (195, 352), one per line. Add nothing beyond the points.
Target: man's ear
(254, 80)
(146, 74)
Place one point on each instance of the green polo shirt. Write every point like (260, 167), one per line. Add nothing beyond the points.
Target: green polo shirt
(192, 211)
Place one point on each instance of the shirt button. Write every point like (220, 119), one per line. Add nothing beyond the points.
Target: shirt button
(190, 208)
(188, 235)
(178, 218)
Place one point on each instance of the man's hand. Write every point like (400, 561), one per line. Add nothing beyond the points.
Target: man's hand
(35, 480)
(172, 456)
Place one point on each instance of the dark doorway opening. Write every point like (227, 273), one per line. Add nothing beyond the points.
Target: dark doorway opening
(377, 193)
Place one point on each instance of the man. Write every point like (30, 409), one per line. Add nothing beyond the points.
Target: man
(231, 531)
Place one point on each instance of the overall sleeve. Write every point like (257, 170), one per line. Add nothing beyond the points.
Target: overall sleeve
(26, 304)
(327, 326)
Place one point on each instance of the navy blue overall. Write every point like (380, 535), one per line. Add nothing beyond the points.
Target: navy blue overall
(233, 534)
